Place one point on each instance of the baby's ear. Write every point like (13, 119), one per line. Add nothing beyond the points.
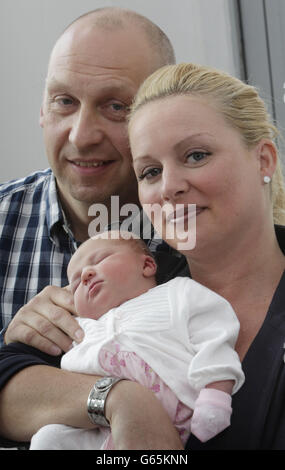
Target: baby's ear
(150, 267)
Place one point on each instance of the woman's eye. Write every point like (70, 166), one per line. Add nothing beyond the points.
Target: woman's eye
(196, 157)
(149, 173)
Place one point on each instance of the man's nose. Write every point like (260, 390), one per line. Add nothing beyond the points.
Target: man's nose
(86, 129)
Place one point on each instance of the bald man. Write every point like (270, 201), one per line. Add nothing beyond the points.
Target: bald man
(95, 68)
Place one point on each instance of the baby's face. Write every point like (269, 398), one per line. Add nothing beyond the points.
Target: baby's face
(103, 274)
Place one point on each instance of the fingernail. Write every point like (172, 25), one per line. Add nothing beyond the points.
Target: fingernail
(79, 335)
(55, 351)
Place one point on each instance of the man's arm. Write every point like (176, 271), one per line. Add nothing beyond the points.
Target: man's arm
(31, 390)
(51, 395)
(138, 419)
(40, 395)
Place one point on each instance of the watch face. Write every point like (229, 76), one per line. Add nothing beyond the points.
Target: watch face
(103, 383)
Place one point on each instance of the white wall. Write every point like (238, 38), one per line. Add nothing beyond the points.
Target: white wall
(202, 31)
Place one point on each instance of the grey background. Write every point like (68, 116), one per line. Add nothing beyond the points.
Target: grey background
(201, 31)
(263, 35)
(243, 37)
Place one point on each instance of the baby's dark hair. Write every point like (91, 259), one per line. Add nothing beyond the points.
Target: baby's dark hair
(119, 235)
(140, 245)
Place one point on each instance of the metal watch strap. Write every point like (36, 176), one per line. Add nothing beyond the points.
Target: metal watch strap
(97, 398)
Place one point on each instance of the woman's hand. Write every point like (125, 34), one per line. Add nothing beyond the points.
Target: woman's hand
(138, 420)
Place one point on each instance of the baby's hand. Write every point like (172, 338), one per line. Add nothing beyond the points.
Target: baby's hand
(212, 414)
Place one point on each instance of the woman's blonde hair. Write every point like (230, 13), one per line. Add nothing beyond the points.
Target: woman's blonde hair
(240, 104)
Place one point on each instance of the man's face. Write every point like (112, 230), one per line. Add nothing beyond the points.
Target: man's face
(92, 78)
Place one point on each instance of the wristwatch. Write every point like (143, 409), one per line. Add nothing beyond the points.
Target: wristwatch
(97, 399)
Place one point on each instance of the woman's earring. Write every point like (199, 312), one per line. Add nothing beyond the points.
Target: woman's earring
(266, 179)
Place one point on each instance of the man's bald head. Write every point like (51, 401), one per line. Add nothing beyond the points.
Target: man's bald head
(114, 18)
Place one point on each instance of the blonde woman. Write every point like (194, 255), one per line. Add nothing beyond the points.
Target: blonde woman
(199, 136)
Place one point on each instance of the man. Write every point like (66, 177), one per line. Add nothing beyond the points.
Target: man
(95, 69)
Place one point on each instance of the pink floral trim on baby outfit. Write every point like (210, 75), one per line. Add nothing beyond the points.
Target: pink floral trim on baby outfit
(128, 365)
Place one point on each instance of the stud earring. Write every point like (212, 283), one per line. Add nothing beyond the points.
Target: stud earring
(266, 179)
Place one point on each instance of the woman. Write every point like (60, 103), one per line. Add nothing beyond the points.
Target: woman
(199, 136)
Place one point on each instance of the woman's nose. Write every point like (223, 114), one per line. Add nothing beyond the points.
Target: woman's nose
(174, 184)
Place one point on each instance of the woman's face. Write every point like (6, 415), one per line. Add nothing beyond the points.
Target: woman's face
(184, 153)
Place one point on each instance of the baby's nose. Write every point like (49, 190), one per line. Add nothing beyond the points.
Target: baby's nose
(87, 274)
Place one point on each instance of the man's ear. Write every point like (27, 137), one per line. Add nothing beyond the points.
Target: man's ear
(267, 155)
(149, 267)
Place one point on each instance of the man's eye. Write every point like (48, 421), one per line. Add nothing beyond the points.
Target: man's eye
(115, 111)
(118, 106)
(64, 101)
(61, 104)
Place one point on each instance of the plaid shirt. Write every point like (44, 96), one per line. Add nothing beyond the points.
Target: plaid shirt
(35, 241)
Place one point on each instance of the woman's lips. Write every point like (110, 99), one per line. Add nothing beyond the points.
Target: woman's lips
(184, 213)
